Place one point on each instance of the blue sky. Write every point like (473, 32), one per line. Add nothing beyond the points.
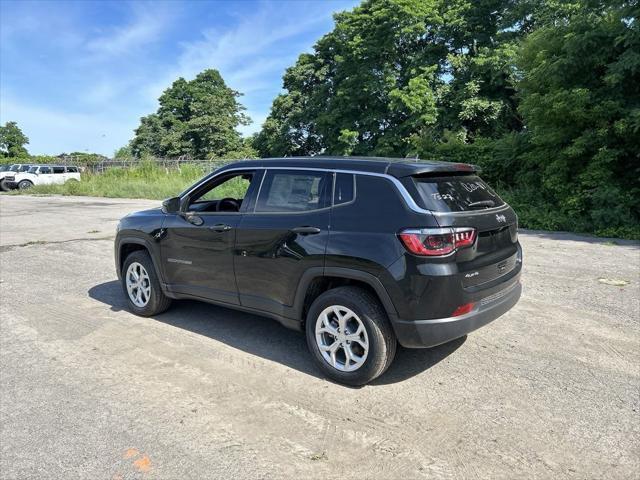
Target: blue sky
(77, 76)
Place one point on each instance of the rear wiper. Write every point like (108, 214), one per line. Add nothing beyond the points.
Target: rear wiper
(482, 203)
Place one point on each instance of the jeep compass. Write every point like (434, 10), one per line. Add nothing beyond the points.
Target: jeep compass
(359, 253)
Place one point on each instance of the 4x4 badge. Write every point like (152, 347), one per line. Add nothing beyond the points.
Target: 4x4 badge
(501, 218)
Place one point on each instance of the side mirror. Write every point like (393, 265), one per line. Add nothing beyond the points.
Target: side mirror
(171, 205)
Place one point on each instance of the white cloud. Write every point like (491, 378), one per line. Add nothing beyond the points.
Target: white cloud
(251, 37)
(262, 43)
(147, 26)
(100, 92)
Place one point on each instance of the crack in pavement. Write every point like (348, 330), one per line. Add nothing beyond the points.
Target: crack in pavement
(8, 248)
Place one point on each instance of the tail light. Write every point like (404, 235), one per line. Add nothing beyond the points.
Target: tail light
(437, 241)
(463, 309)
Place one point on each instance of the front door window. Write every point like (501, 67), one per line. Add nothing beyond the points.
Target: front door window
(222, 195)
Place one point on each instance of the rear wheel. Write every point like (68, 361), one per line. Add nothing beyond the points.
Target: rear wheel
(141, 286)
(24, 184)
(349, 335)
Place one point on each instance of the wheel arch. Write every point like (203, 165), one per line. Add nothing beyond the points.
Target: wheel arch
(316, 281)
(127, 245)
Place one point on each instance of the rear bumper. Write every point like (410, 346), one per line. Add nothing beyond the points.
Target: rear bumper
(429, 333)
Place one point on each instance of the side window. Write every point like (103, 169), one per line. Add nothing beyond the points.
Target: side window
(58, 170)
(291, 191)
(345, 188)
(45, 170)
(233, 187)
(72, 169)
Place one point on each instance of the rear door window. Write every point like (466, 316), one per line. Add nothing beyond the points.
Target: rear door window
(294, 191)
(455, 193)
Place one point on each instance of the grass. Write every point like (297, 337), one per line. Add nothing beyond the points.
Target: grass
(145, 181)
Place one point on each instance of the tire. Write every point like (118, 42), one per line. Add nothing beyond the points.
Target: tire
(380, 338)
(24, 184)
(156, 301)
(3, 186)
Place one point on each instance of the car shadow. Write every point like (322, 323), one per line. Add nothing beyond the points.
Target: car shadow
(265, 337)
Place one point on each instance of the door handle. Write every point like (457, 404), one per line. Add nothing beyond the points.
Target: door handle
(220, 227)
(306, 230)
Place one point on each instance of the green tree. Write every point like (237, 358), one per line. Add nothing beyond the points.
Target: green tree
(339, 99)
(580, 93)
(397, 74)
(13, 141)
(123, 153)
(196, 119)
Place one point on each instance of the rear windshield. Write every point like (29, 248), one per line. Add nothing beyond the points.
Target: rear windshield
(456, 193)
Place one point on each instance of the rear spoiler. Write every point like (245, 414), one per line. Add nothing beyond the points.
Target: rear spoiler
(399, 170)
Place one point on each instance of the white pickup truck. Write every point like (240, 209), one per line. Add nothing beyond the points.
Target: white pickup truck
(43, 175)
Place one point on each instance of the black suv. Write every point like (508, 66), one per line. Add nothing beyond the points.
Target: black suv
(361, 253)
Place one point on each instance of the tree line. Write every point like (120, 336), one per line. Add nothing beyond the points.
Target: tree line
(543, 95)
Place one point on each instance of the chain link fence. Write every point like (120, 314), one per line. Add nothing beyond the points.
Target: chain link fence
(99, 165)
(169, 164)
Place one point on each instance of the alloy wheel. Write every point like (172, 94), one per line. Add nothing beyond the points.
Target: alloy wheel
(342, 338)
(138, 284)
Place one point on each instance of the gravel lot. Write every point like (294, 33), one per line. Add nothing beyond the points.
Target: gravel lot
(87, 390)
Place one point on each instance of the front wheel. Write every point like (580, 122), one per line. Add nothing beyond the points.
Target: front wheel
(24, 184)
(3, 186)
(349, 335)
(141, 286)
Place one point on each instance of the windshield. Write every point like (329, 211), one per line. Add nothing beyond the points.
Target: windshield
(14, 167)
(4, 168)
(456, 193)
